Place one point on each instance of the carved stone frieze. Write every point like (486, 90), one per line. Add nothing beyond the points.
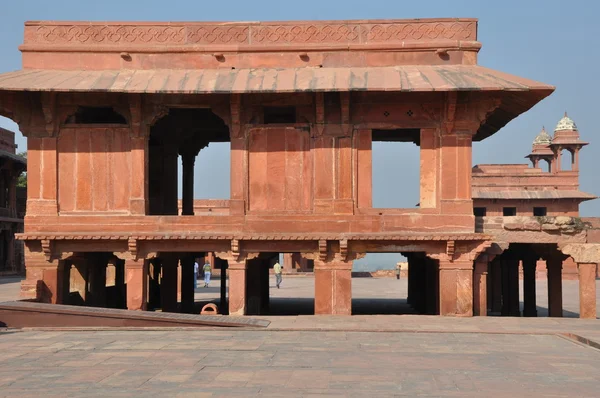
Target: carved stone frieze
(122, 34)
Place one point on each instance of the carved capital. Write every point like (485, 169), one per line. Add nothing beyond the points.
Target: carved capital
(132, 246)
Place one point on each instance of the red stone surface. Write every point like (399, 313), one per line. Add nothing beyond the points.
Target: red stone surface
(108, 109)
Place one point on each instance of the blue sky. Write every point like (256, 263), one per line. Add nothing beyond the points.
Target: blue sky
(550, 41)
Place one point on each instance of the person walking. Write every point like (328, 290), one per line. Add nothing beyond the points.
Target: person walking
(277, 269)
(206, 270)
(196, 274)
(398, 271)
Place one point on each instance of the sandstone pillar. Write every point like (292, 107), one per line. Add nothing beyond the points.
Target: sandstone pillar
(187, 284)
(554, 287)
(169, 182)
(187, 205)
(496, 283)
(78, 280)
(154, 271)
(257, 286)
(168, 284)
(480, 287)
(237, 287)
(223, 301)
(97, 281)
(138, 202)
(510, 286)
(287, 262)
(136, 273)
(333, 287)
(64, 269)
(456, 288)
(410, 280)
(44, 279)
(587, 290)
(529, 290)
(120, 286)
(430, 282)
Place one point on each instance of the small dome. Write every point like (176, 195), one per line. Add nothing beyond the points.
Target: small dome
(566, 123)
(542, 138)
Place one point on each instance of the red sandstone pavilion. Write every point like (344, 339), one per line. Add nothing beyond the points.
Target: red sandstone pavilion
(109, 108)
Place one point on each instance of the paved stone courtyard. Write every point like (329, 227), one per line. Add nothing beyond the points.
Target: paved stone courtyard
(293, 363)
(359, 356)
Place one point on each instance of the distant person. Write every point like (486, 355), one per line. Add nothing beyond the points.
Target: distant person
(206, 270)
(398, 267)
(196, 266)
(277, 268)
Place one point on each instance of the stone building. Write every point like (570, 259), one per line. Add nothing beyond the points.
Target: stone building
(12, 205)
(110, 109)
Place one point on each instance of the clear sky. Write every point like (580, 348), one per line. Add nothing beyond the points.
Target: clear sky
(552, 41)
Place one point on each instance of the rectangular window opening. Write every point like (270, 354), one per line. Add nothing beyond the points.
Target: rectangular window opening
(539, 211)
(479, 211)
(279, 114)
(509, 211)
(396, 170)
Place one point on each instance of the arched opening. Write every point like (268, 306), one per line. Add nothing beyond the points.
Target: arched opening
(567, 162)
(548, 165)
(177, 142)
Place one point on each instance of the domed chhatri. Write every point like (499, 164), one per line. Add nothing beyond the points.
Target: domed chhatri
(566, 124)
(543, 138)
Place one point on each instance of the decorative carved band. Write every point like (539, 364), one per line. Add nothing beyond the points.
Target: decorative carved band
(91, 34)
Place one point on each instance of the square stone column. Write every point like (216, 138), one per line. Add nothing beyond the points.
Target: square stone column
(456, 288)
(287, 262)
(136, 276)
(555, 307)
(97, 281)
(44, 279)
(237, 287)
(187, 284)
(496, 285)
(168, 284)
(529, 289)
(587, 290)
(333, 287)
(480, 287)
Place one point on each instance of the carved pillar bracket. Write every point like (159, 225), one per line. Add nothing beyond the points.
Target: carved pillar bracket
(323, 250)
(450, 249)
(344, 249)
(47, 248)
(50, 112)
(132, 246)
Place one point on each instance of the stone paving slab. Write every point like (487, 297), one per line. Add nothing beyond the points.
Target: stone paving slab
(212, 363)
